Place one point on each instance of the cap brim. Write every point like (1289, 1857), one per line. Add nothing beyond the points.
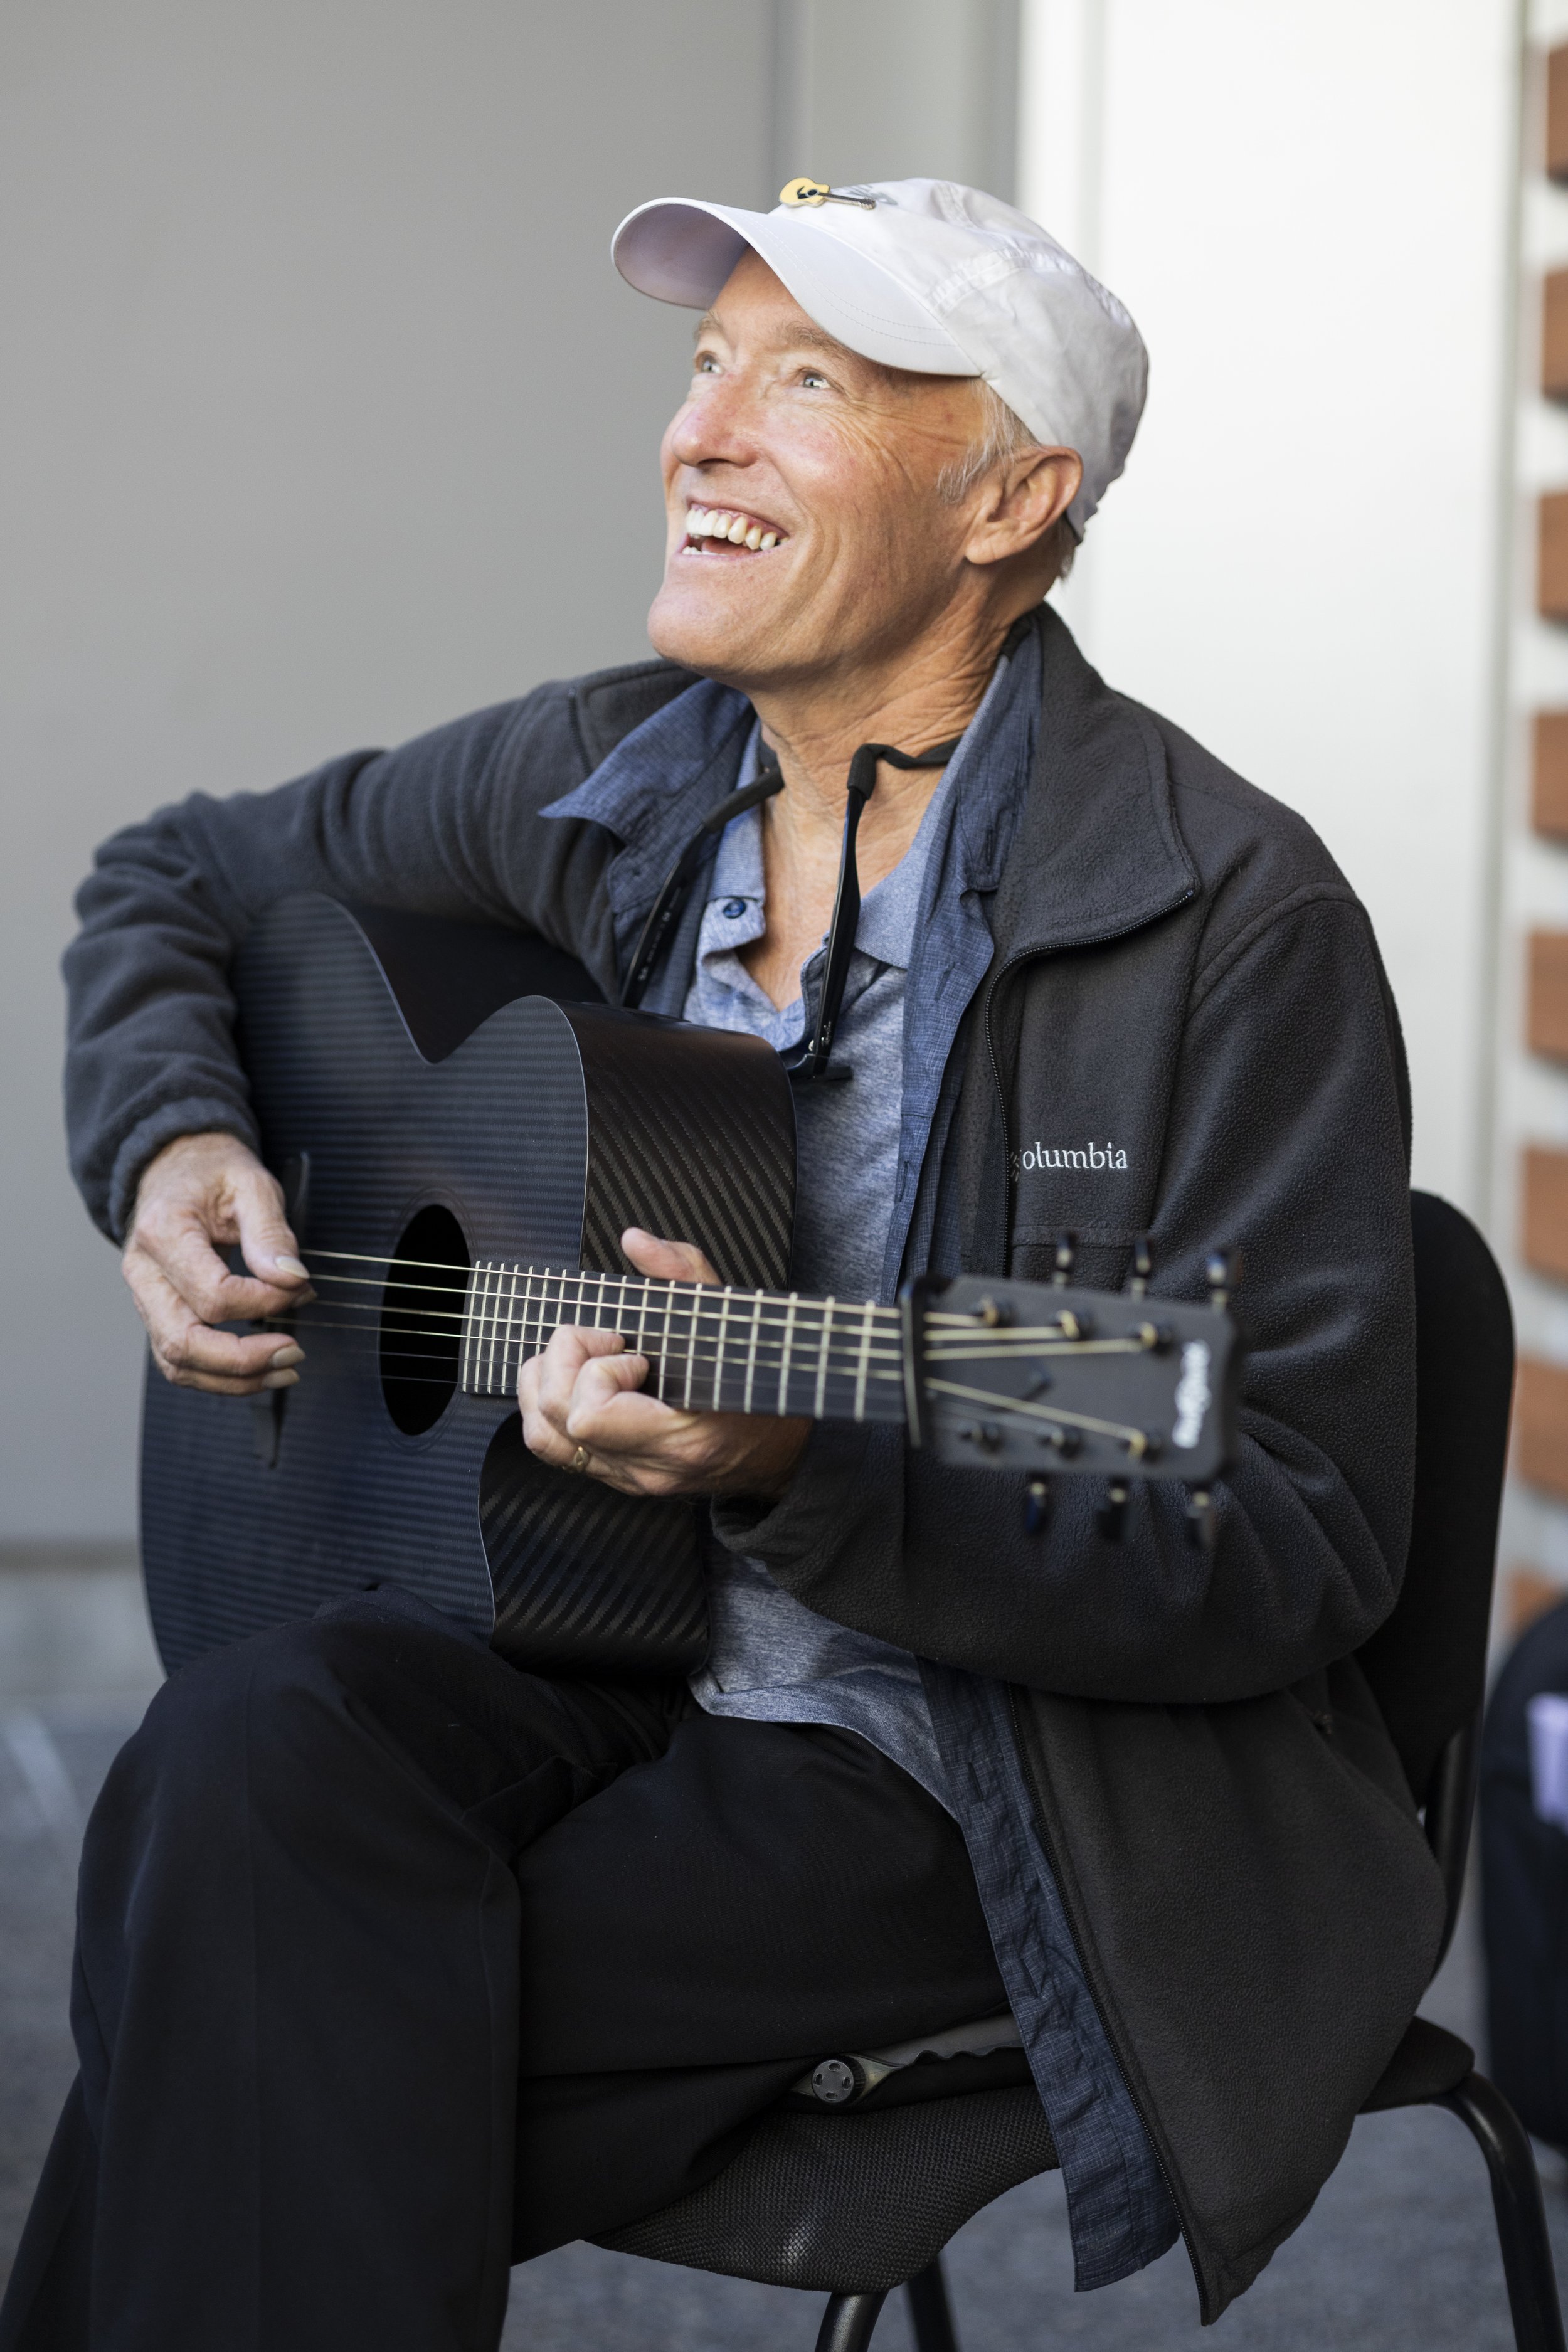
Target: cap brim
(680, 250)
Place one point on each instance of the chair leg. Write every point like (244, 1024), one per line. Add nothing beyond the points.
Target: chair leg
(1520, 2215)
(847, 2322)
(930, 2314)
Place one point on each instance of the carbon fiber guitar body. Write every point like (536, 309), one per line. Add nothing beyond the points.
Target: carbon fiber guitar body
(409, 1125)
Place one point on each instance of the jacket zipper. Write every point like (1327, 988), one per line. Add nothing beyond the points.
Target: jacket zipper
(1032, 1781)
(1025, 1757)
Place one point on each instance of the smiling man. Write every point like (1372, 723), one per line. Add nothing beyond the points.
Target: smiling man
(397, 1964)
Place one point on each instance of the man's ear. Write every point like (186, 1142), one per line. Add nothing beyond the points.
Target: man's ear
(1022, 502)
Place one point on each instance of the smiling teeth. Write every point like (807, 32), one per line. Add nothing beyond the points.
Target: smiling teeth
(721, 523)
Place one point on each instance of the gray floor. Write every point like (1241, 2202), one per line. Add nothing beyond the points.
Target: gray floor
(1399, 2253)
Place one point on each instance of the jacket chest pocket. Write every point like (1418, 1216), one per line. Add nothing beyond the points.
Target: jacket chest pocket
(1102, 1262)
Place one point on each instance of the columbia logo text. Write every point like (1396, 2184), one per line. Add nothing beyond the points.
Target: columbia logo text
(1091, 1155)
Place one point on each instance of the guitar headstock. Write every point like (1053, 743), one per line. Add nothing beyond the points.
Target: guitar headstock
(1050, 1377)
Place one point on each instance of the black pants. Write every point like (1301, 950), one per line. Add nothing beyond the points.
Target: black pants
(395, 1966)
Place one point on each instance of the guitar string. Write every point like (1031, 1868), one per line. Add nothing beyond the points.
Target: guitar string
(520, 1312)
(705, 1302)
(1023, 1344)
(819, 1340)
(590, 1276)
(571, 1274)
(1000, 1336)
(668, 1364)
(840, 1351)
(810, 1320)
(283, 1324)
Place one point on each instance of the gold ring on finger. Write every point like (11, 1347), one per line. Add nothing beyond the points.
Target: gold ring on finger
(579, 1461)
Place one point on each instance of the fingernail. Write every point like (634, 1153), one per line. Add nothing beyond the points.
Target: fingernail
(292, 1268)
(289, 1355)
(281, 1381)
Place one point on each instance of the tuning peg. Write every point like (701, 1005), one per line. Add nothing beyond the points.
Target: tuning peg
(1200, 1519)
(1066, 1250)
(1111, 1517)
(1219, 1277)
(1143, 1264)
(1036, 1506)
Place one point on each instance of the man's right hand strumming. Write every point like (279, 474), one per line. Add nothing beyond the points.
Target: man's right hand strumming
(201, 1195)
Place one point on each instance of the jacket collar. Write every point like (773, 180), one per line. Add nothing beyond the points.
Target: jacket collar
(656, 787)
(1097, 850)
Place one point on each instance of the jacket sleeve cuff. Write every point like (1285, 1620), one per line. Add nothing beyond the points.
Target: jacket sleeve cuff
(197, 1115)
(799, 1537)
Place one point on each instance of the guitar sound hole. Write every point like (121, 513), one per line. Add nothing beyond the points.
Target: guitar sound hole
(421, 1320)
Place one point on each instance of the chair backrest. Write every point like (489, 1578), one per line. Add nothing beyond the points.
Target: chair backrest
(1426, 1663)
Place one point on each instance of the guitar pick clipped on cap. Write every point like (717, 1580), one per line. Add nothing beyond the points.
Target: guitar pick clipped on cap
(929, 276)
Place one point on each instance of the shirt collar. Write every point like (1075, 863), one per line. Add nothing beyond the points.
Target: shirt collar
(661, 780)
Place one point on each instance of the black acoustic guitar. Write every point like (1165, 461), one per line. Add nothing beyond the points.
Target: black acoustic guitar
(463, 1132)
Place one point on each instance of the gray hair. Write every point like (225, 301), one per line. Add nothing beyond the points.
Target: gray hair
(1003, 435)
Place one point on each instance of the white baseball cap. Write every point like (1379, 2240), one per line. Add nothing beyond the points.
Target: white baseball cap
(927, 275)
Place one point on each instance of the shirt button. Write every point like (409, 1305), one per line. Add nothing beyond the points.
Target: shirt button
(734, 909)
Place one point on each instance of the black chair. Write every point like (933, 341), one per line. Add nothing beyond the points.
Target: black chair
(863, 2201)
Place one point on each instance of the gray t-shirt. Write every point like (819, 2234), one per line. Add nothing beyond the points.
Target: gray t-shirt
(771, 1658)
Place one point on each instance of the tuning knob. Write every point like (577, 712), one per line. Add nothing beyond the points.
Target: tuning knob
(1111, 1517)
(1200, 1519)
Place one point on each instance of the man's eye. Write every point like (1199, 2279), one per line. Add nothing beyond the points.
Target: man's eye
(706, 365)
(813, 381)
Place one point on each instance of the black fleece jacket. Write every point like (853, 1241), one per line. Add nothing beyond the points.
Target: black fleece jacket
(1183, 980)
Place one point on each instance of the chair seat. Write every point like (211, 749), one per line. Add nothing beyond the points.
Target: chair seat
(858, 2201)
(1428, 2061)
(852, 2203)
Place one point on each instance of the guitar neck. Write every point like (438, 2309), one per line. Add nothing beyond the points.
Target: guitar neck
(709, 1350)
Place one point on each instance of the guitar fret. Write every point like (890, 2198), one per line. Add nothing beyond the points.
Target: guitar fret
(705, 1351)
(863, 1360)
(786, 1348)
(668, 1339)
(486, 1338)
(822, 1356)
(719, 1346)
(467, 1367)
(474, 1370)
(498, 1344)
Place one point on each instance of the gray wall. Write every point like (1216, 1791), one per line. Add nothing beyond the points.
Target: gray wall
(323, 418)
(892, 89)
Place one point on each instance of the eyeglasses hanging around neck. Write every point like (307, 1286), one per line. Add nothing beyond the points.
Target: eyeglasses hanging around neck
(811, 1057)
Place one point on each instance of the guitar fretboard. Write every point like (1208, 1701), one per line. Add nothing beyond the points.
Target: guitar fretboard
(709, 1350)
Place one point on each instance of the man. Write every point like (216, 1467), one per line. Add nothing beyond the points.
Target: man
(395, 1963)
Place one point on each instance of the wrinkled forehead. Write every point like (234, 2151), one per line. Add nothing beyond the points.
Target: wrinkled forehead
(755, 307)
(754, 313)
